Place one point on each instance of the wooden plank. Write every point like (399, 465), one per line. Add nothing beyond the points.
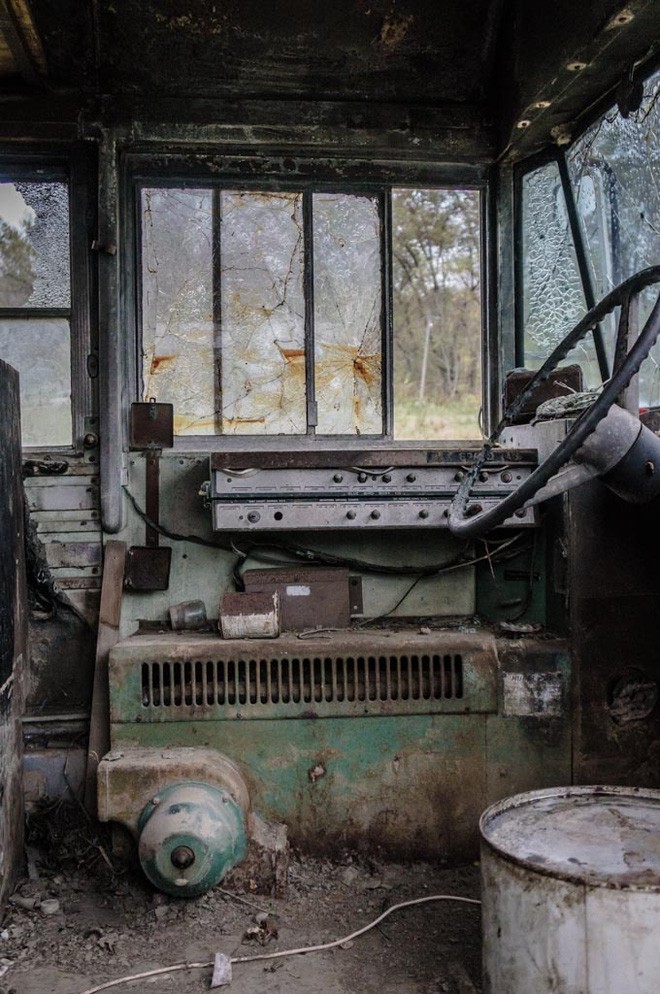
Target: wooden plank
(74, 554)
(74, 572)
(79, 583)
(61, 497)
(63, 522)
(108, 635)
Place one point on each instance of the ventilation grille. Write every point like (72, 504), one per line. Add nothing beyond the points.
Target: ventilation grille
(297, 687)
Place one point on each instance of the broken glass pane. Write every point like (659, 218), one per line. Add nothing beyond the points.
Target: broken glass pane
(553, 299)
(178, 356)
(437, 314)
(347, 314)
(615, 170)
(263, 314)
(40, 349)
(34, 245)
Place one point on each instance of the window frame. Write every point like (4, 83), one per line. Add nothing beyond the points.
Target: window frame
(75, 167)
(265, 174)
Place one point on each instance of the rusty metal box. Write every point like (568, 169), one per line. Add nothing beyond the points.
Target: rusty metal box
(310, 597)
(249, 615)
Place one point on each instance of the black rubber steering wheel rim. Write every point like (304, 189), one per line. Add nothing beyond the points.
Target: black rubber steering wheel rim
(477, 524)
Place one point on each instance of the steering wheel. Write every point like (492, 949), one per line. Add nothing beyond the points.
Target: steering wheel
(626, 364)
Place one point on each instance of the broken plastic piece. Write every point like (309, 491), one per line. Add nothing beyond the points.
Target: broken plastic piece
(221, 971)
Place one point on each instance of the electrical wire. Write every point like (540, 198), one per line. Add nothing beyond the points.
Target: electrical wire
(284, 952)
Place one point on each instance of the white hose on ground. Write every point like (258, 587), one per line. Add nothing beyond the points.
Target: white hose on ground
(285, 952)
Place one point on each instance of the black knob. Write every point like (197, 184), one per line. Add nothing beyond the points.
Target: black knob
(182, 857)
(375, 514)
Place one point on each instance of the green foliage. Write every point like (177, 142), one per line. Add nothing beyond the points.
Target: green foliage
(436, 276)
(17, 270)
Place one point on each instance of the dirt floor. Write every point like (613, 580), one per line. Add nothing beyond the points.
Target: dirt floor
(108, 922)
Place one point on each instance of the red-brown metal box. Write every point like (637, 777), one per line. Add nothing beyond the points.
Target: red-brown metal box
(310, 596)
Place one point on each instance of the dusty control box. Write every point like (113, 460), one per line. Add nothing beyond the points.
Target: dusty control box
(322, 489)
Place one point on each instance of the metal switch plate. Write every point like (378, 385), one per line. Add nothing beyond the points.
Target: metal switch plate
(152, 426)
(147, 568)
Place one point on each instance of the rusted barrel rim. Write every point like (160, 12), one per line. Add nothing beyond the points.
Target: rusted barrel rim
(583, 878)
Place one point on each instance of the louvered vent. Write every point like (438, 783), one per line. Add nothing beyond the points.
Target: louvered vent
(384, 684)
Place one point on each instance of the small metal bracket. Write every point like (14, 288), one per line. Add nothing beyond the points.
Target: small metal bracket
(355, 595)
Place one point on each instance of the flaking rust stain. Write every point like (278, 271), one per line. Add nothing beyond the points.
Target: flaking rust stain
(232, 423)
(366, 367)
(394, 29)
(292, 356)
(160, 363)
(340, 357)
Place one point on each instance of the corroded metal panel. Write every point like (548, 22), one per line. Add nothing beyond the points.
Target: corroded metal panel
(412, 786)
(168, 678)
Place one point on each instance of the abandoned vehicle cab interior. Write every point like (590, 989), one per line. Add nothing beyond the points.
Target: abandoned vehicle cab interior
(331, 389)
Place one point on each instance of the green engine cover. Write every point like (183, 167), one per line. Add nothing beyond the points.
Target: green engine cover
(191, 835)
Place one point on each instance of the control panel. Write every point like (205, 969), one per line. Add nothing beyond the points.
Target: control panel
(334, 489)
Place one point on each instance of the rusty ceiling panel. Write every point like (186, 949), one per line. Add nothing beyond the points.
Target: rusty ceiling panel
(366, 49)
(21, 51)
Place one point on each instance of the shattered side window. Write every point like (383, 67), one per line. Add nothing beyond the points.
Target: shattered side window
(178, 340)
(615, 171)
(35, 301)
(262, 355)
(223, 311)
(553, 297)
(347, 314)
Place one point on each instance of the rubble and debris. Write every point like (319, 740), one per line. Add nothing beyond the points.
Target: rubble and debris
(107, 926)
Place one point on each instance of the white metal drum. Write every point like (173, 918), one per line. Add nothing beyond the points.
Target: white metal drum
(571, 892)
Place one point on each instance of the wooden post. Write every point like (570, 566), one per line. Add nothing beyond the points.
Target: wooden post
(108, 634)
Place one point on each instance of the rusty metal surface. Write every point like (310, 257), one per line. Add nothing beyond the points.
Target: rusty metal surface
(129, 778)
(410, 777)
(599, 836)
(250, 615)
(613, 554)
(309, 597)
(377, 457)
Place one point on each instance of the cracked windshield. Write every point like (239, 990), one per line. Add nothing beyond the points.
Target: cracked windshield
(255, 321)
(614, 171)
